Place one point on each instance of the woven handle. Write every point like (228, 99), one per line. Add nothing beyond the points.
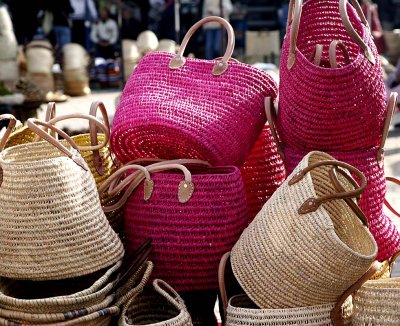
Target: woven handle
(221, 280)
(395, 181)
(220, 67)
(169, 293)
(11, 124)
(294, 17)
(312, 204)
(271, 118)
(385, 132)
(33, 125)
(336, 313)
(333, 50)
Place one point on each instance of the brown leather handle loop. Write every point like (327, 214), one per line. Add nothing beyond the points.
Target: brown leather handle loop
(220, 67)
(33, 125)
(11, 124)
(391, 208)
(385, 131)
(221, 280)
(168, 293)
(333, 51)
(271, 118)
(350, 29)
(336, 313)
(312, 204)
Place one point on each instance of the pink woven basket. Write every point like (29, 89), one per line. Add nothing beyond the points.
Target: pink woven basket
(174, 107)
(191, 217)
(340, 108)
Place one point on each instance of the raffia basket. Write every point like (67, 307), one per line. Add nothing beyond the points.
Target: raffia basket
(158, 305)
(55, 227)
(313, 229)
(76, 82)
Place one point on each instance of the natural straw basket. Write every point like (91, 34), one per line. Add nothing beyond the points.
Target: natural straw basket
(175, 107)
(159, 306)
(311, 224)
(315, 110)
(193, 215)
(48, 196)
(241, 311)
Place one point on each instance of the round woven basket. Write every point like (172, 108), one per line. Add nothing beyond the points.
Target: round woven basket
(315, 110)
(9, 46)
(158, 305)
(147, 41)
(43, 81)
(9, 70)
(63, 212)
(5, 20)
(75, 57)
(76, 82)
(312, 228)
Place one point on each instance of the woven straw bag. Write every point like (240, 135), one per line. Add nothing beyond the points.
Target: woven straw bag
(39, 57)
(311, 223)
(75, 56)
(241, 311)
(191, 218)
(175, 107)
(63, 211)
(9, 46)
(160, 305)
(147, 42)
(370, 163)
(315, 110)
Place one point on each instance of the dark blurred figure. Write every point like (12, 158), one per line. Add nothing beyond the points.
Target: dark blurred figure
(84, 14)
(166, 27)
(105, 35)
(130, 26)
(25, 18)
(61, 11)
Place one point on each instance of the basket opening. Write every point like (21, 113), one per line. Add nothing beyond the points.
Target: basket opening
(347, 225)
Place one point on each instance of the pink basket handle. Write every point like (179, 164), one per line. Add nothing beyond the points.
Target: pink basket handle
(333, 53)
(350, 29)
(385, 132)
(271, 118)
(388, 205)
(33, 125)
(220, 67)
(169, 293)
(11, 124)
(336, 313)
(312, 204)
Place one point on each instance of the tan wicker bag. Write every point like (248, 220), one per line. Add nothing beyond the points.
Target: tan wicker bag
(159, 305)
(241, 311)
(313, 230)
(52, 225)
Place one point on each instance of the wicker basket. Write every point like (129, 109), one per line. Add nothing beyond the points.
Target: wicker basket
(39, 57)
(310, 224)
(75, 57)
(63, 212)
(9, 46)
(158, 306)
(43, 81)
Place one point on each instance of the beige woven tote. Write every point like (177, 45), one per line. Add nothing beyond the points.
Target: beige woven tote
(159, 305)
(52, 225)
(312, 229)
(241, 311)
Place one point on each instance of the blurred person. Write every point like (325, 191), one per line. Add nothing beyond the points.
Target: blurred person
(213, 31)
(166, 26)
(61, 11)
(105, 35)
(130, 26)
(84, 14)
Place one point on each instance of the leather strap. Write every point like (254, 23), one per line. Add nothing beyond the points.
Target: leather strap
(33, 125)
(385, 132)
(220, 66)
(50, 114)
(397, 182)
(317, 55)
(350, 29)
(393, 261)
(332, 53)
(221, 280)
(271, 118)
(12, 121)
(168, 293)
(354, 207)
(336, 313)
(312, 204)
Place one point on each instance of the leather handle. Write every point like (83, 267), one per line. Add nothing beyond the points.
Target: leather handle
(168, 293)
(391, 208)
(271, 118)
(220, 67)
(316, 56)
(336, 313)
(221, 280)
(333, 53)
(50, 114)
(33, 125)
(312, 204)
(385, 131)
(12, 121)
(350, 29)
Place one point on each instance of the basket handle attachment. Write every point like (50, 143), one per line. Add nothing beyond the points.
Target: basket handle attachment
(312, 204)
(12, 121)
(271, 118)
(333, 51)
(168, 293)
(220, 66)
(388, 205)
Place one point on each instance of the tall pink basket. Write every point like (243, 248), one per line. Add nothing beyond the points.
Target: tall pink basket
(337, 108)
(174, 107)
